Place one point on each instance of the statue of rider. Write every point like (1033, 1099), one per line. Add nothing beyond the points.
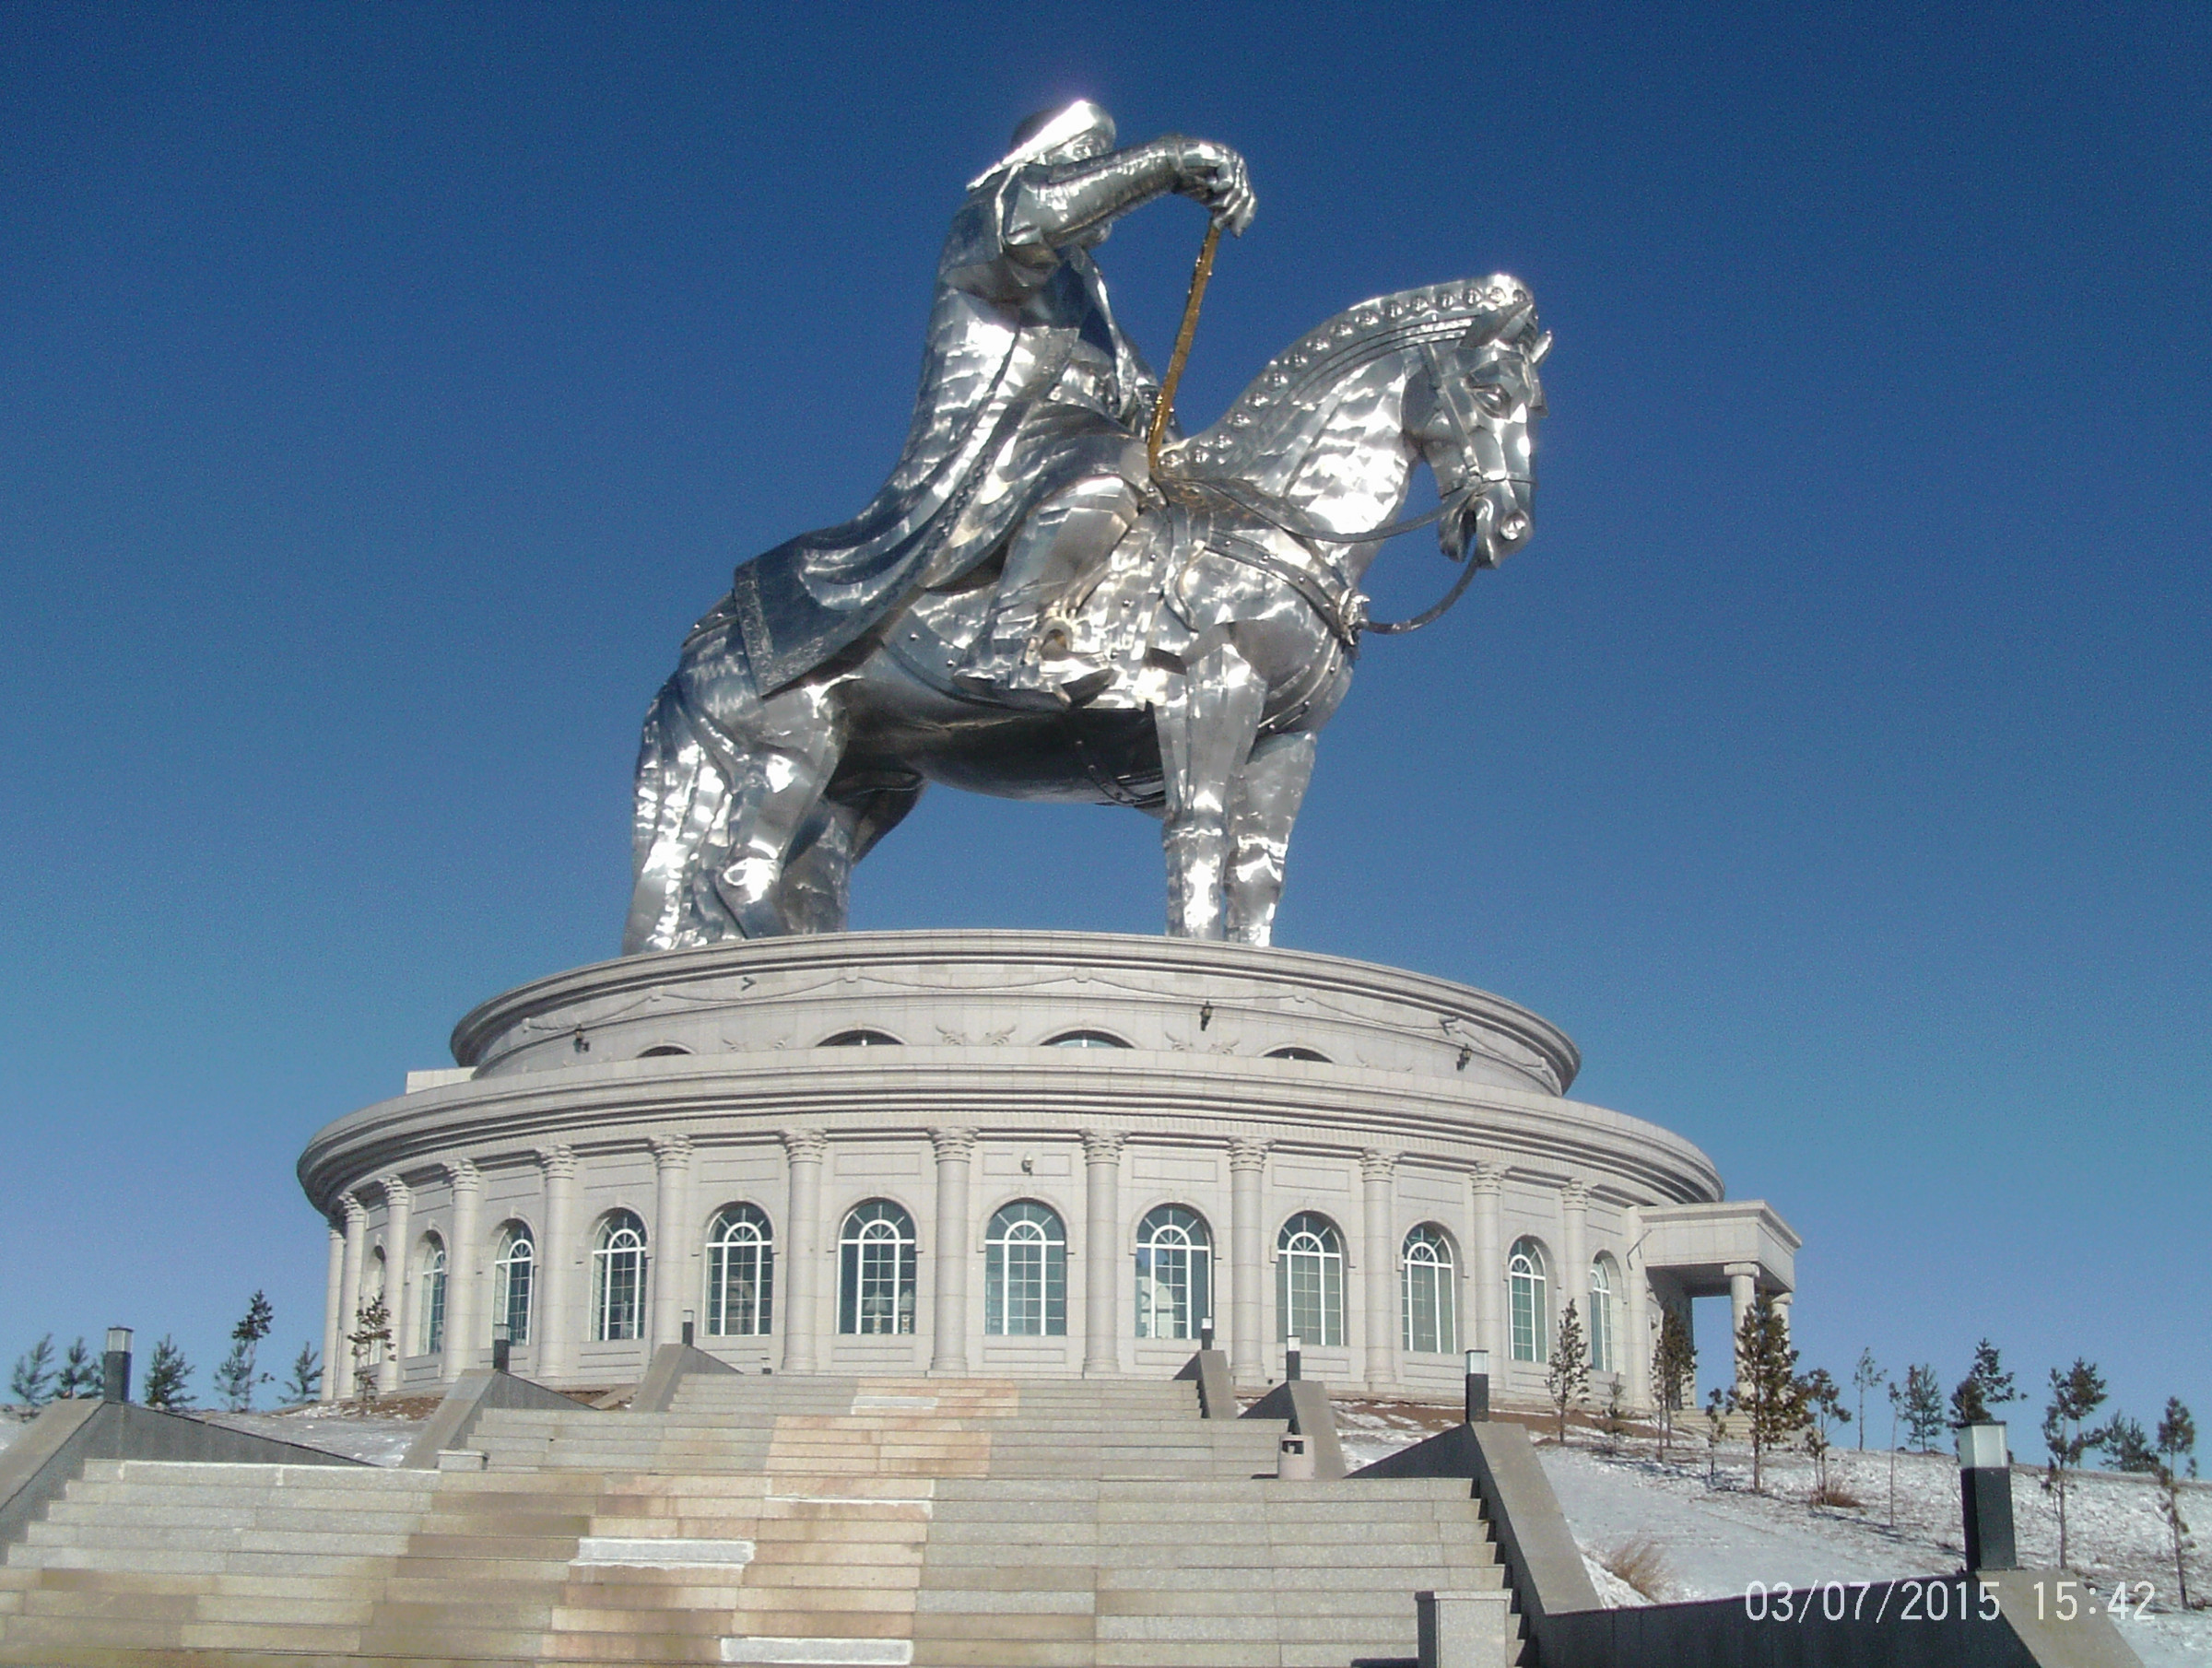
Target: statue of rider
(1028, 431)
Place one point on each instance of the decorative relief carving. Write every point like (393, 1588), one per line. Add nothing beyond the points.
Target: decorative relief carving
(1246, 1153)
(1376, 1165)
(806, 1146)
(1575, 1195)
(1102, 1146)
(953, 1145)
(671, 1152)
(464, 1175)
(1488, 1177)
(558, 1161)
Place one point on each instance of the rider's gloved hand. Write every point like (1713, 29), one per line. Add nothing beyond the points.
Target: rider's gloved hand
(1214, 175)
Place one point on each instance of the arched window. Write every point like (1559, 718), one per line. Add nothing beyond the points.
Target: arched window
(741, 1269)
(1025, 1273)
(1309, 1281)
(513, 1273)
(1429, 1296)
(876, 1269)
(617, 1278)
(431, 1337)
(1174, 1273)
(1295, 1052)
(860, 1039)
(1086, 1040)
(1605, 1319)
(1530, 1306)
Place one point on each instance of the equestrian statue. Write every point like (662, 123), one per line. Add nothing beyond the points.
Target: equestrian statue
(1057, 596)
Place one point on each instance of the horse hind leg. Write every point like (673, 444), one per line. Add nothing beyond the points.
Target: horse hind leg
(817, 892)
(1261, 810)
(793, 751)
(682, 802)
(1207, 727)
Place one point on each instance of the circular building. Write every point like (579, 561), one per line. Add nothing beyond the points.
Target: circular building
(1016, 1154)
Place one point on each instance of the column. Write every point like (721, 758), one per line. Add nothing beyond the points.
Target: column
(558, 1307)
(1636, 1353)
(1378, 1213)
(465, 1333)
(1486, 1185)
(1247, 1332)
(340, 1366)
(1783, 1300)
(1574, 1250)
(803, 1263)
(1102, 1252)
(671, 1234)
(1743, 1291)
(399, 1290)
(954, 1149)
(334, 1306)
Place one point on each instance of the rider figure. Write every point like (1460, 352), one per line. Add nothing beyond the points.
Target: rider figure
(1028, 229)
(1027, 433)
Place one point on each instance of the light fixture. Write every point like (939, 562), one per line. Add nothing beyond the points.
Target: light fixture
(115, 1366)
(579, 1042)
(1205, 1015)
(1466, 1054)
(689, 1315)
(119, 1339)
(1478, 1385)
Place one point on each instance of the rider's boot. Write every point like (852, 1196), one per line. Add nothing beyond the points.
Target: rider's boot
(1026, 644)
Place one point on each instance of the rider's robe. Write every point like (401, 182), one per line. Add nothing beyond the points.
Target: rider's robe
(1027, 384)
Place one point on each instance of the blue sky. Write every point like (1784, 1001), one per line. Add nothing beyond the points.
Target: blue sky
(384, 389)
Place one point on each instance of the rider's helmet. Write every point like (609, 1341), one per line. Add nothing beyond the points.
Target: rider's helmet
(1072, 133)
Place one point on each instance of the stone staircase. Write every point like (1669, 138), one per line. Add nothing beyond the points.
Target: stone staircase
(759, 1521)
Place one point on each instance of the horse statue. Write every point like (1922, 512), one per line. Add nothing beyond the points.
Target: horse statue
(1229, 618)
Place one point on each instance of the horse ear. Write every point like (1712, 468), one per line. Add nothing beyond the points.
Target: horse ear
(1542, 351)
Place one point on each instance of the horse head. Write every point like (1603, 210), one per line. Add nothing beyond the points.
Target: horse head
(1472, 415)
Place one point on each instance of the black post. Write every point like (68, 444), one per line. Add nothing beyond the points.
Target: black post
(115, 1366)
(687, 1325)
(1985, 1498)
(1290, 1354)
(502, 1350)
(1205, 1333)
(1479, 1386)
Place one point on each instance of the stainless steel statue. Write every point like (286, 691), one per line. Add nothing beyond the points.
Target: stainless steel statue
(1028, 609)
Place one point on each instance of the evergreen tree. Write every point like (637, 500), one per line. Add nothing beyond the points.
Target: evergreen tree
(1923, 1408)
(168, 1377)
(306, 1381)
(2075, 1396)
(2127, 1445)
(1716, 1427)
(1867, 1376)
(235, 1379)
(1673, 1373)
(32, 1381)
(1985, 1387)
(81, 1373)
(1823, 1401)
(1766, 1392)
(1567, 1376)
(371, 1337)
(2176, 1441)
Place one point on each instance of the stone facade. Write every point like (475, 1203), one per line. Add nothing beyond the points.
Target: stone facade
(1416, 1131)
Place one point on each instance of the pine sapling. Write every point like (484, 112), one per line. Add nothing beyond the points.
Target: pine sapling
(2176, 1441)
(32, 1381)
(1923, 1408)
(1987, 1386)
(2075, 1396)
(306, 1383)
(1673, 1373)
(1716, 1427)
(1867, 1376)
(80, 1373)
(371, 1337)
(1567, 1377)
(1766, 1392)
(168, 1377)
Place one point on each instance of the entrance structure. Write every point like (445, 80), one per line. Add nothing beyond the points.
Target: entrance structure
(1020, 1154)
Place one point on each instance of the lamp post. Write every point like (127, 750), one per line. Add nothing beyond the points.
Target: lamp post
(1290, 1359)
(1205, 1333)
(1985, 1498)
(1478, 1385)
(115, 1366)
(690, 1317)
(502, 1346)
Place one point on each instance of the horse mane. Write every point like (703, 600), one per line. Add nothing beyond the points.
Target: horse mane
(1324, 355)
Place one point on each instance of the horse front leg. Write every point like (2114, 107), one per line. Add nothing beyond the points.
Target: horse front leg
(1206, 728)
(1262, 809)
(792, 750)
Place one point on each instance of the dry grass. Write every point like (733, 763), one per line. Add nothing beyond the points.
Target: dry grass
(1642, 1564)
(1835, 1494)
